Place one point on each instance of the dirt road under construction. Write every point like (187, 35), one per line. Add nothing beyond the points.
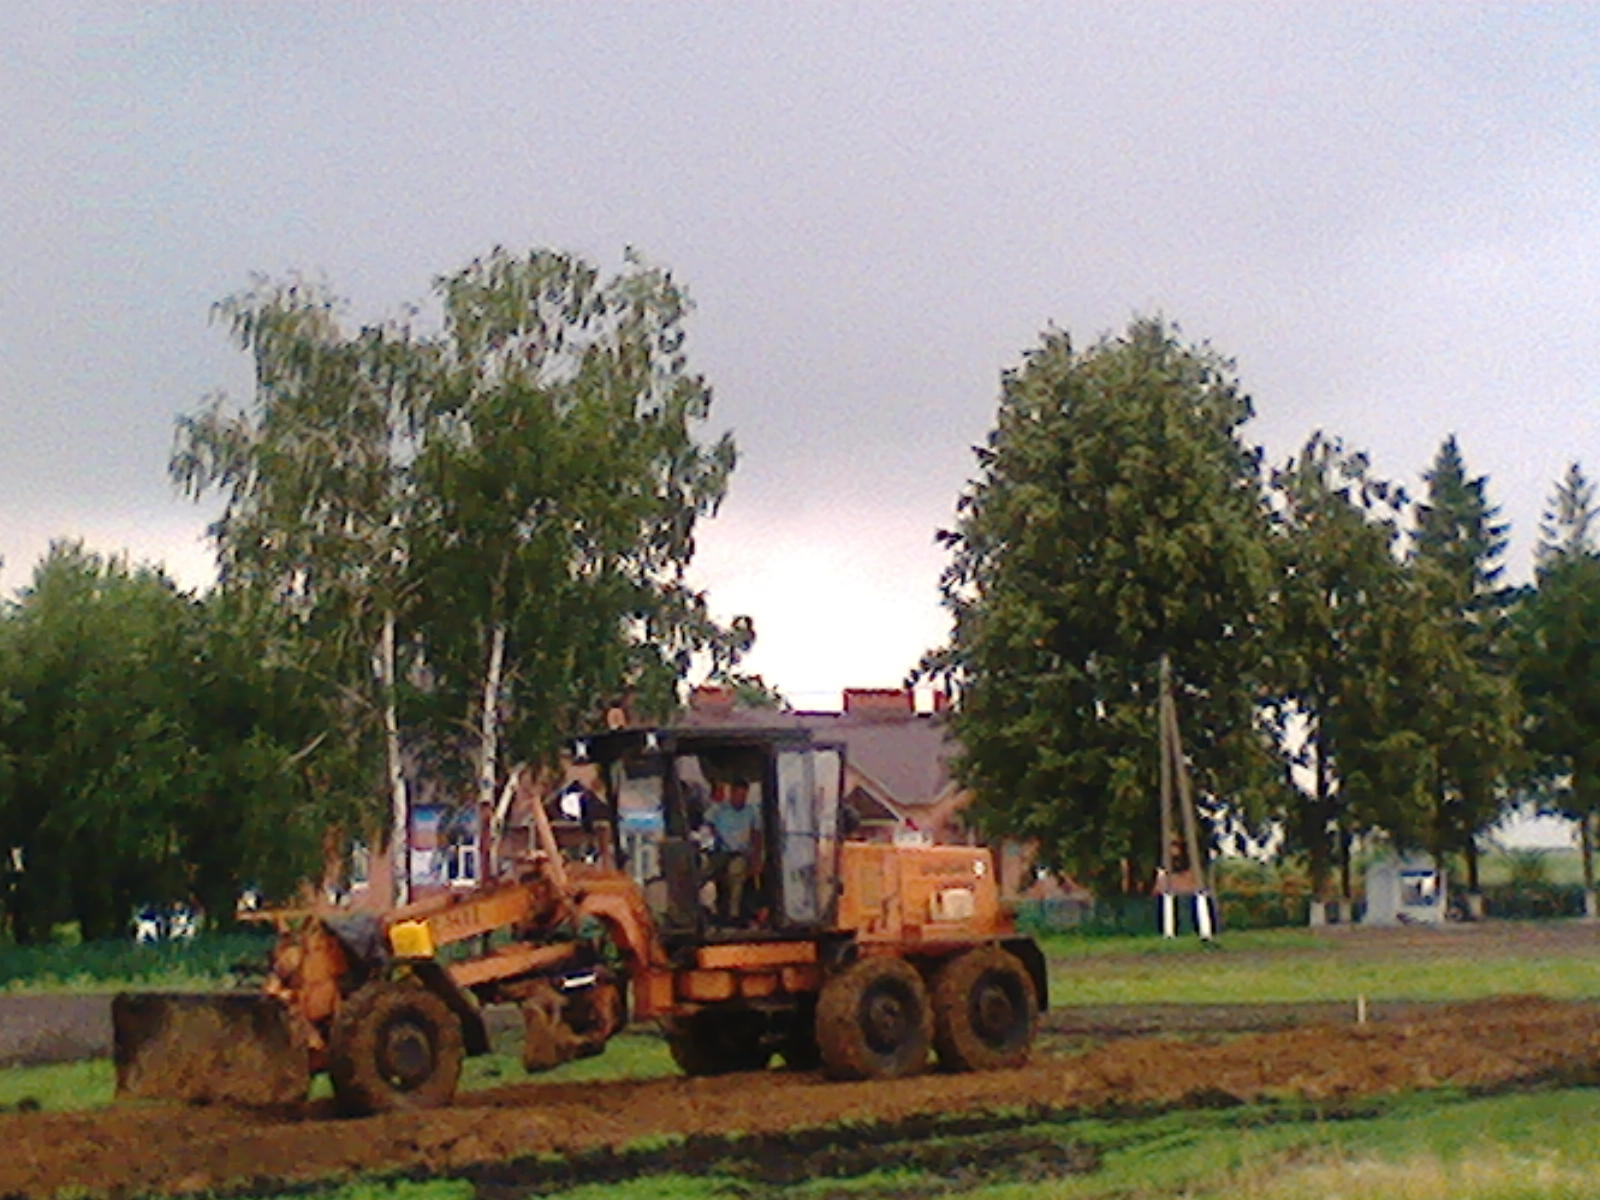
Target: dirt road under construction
(151, 1148)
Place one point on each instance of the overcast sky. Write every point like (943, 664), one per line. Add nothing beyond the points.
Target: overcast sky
(1389, 215)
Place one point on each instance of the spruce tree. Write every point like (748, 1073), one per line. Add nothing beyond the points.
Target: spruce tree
(1558, 667)
(1469, 713)
(1336, 526)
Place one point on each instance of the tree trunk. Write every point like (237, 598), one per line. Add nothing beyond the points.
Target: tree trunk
(1439, 837)
(1580, 793)
(1586, 840)
(400, 809)
(1346, 884)
(1471, 852)
(489, 730)
(1317, 827)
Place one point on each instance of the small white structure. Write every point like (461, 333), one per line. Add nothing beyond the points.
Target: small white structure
(1405, 891)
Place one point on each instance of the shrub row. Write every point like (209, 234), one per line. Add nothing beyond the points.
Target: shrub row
(1256, 909)
(208, 956)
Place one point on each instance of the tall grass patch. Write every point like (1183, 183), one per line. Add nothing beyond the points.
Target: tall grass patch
(203, 963)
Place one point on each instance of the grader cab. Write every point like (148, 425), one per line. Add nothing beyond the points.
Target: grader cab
(856, 956)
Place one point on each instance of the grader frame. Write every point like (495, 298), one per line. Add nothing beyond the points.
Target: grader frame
(861, 958)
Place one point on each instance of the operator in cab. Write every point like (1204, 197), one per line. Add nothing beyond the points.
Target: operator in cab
(736, 847)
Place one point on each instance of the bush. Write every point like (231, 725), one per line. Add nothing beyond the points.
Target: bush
(1263, 910)
(1123, 915)
(208, 957)
(1531, 901)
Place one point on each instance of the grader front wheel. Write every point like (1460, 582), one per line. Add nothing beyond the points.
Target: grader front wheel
(394, 1046)
(873, 1021)
(985, 1011)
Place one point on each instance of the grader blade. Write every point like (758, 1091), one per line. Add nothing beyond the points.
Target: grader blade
(226, 1049)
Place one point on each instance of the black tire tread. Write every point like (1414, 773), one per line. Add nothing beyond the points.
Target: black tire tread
(959, 1046)
(358, 1085)
(846, 1053)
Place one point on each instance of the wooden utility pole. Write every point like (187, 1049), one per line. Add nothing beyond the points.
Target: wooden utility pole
(1169, 902)
(1175, 767)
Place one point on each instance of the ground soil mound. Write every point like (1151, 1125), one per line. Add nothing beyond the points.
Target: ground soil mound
(162, 1148)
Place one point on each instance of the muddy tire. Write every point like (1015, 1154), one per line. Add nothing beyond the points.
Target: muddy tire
(717, 1043)
(394, 1047)
(873, 1021)
(985, 1012)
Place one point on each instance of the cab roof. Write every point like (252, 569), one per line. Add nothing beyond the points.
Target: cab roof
(613, 744)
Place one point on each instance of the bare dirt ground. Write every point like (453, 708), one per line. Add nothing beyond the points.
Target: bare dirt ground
(145, 1148)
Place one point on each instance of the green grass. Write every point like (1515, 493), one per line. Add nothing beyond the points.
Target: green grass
(91, 1084)
(425, 1189)
(58, 1086)
(203, 964)
(1260, 966)
(1072, 946)
(1425, 1146)
(654, 1187)
(1433, 1146)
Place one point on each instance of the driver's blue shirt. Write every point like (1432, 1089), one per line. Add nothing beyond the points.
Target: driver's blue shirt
(734, 827)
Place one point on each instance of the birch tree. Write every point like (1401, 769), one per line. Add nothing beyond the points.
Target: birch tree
(478, 531)
(563, 477)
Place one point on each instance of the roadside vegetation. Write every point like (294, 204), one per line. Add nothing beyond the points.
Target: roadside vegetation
(59, 1087)
(1296, 965)
(206, 962)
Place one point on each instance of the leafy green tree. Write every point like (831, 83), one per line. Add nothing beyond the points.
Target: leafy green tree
(145, 765)
(751, 691)
(1468, 712)
(561, 479)
(1116, 517)
(1337, 529)
(1558, 642)
(478, 531)
(318, 510)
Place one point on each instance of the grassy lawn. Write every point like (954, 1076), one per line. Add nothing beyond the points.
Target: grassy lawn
(1432, 1146)
(1435, 1146)
(201, 965)
(61, 1086)
(1259, 966)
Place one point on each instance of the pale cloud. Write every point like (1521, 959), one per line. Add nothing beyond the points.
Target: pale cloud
(1389, 214)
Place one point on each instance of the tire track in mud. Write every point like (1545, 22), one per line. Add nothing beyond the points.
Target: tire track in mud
(130, 1150)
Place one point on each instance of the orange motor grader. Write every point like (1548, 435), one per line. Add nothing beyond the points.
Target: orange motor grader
(853, 955)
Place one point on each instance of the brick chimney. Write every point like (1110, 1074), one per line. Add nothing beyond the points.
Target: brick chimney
(879, 704)
(713, 698)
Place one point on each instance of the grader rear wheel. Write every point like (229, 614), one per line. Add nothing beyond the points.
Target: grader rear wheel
(985, 1011)
(873, 1021)
(394, 1046)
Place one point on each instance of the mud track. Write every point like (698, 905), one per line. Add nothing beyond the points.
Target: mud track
(136, 1149)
